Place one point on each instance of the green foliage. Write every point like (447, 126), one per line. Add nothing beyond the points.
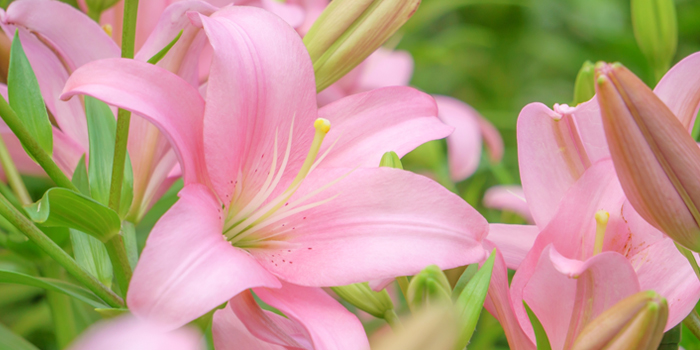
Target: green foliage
(540, 334)
(69, 289)
(471, 300)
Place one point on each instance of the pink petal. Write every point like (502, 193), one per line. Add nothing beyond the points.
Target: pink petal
(290, 13)
(230, 333)
(329, 325)
(550, 160)
(386, 68)
(383, 223)
(261, 81)
(313, 9)
(183, 57)
(567, 294)
(187, 268)
(513, 241)
(680, 90)
(148, 14)
(492, 140)
(589, 124)
(663, 269)
(499, 304)
(464, 145)
(127, 332)
(367, 125)
(508, 198)
(167, 101)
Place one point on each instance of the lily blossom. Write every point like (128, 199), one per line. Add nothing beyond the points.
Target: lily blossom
(128, 332)
(277, 192)
(55, 50)
(559, 150)
(395, 68)
(508, 198)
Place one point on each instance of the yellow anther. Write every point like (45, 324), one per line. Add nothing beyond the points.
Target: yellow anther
(601, 224)
(323, 125)
(108, 29)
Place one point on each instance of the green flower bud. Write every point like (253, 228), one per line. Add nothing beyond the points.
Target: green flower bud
(656, 30)
(391, 160)
(427, 287)
(364, 298)
(96, 7)
(350, 30)
(584, 88)
(636, 322)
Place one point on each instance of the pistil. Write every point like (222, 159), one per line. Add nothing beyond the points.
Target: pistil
(601, 224)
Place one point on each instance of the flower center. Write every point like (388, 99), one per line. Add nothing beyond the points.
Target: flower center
(243, 227)
(601, 224)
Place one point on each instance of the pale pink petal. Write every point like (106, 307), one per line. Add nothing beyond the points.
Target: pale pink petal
(66, 152)
(464, 145)
(663, 269)
(174, 106)
(313, 9)
(128, 332)
(367, 125)
(329, 325)
(513, 241)
(508, 198)
(379, 285)
(386, 68)
(261, 82)
(330, 94)
(589, 124)
(383, 223)
(230, 333)
(187, 268)
(567, 294)
(680, 90)
(550, 160)
(148, 14)
(498, 302)
(290, 13)
(492, 140)
(183, 58)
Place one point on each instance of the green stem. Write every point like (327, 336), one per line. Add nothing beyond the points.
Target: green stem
(691, 259)
(693, 323)
(115, 247)
(62, 314)
(120, 262)
(56, 253)
(392, 319)
(13, 178)
(41, 157)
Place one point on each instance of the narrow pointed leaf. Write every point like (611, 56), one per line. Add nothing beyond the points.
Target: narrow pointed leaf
(25, 98)
(540, 334)
(466, 276)
(10, 340)
(129, 236)
(471, 301)
(102, 129)
(159, 56)
(69, 289)
(61, 207)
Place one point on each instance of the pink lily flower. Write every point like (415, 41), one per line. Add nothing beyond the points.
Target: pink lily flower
(395, 68)
(55, 50)
(278, 193)
(128, 332)
(508, 198)
(563, 155)
(299, 14)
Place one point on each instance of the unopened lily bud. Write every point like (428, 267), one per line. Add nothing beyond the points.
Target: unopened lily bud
(391, 160)
(655, 158)
(584, 87)
(348, 31)
(364, 298)
(656, 31)
(428, 287)
(636, 322)
(434, 327)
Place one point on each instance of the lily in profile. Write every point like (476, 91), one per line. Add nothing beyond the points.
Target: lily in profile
(278, 193)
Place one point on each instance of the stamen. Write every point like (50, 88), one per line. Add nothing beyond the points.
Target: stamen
(108, 29)
(601, 224)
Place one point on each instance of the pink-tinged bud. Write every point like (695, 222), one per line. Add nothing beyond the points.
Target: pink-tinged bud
(637, 322)
(655, 158)
(348, 31)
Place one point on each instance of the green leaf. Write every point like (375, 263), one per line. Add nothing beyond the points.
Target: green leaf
(80, 177)
(69, 289)
(61, 207)
(111, 312)
(540, 334)
(471, 301)
(159, 56)
(25, 97)
(129, 236)
(10, 340)
(467, 275)
(92, 256)
(102, 130)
